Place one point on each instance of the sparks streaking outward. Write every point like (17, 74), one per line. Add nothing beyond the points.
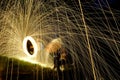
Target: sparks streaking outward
(81, 36)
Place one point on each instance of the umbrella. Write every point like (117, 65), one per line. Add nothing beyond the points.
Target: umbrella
(54, 45)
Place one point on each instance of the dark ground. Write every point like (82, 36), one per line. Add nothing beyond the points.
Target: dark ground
(14, 69)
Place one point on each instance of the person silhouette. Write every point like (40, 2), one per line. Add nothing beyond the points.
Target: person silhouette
(57, 60)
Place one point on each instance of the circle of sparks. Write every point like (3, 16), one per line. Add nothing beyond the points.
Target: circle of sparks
(33, 43)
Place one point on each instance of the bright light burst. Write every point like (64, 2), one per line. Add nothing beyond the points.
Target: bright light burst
(33, 45)
(90, 35)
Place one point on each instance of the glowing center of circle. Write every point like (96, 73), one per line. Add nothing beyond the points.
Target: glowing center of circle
(32, 44)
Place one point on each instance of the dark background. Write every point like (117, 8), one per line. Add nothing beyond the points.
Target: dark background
(114, 4)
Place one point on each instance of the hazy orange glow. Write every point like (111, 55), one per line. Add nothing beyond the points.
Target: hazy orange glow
(54, 45)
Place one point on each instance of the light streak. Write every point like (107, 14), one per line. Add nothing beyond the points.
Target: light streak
(35, 62)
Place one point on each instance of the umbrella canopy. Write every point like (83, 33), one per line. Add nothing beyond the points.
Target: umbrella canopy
(54, 45)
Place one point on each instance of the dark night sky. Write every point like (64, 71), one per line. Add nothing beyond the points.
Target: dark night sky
(113, 3)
